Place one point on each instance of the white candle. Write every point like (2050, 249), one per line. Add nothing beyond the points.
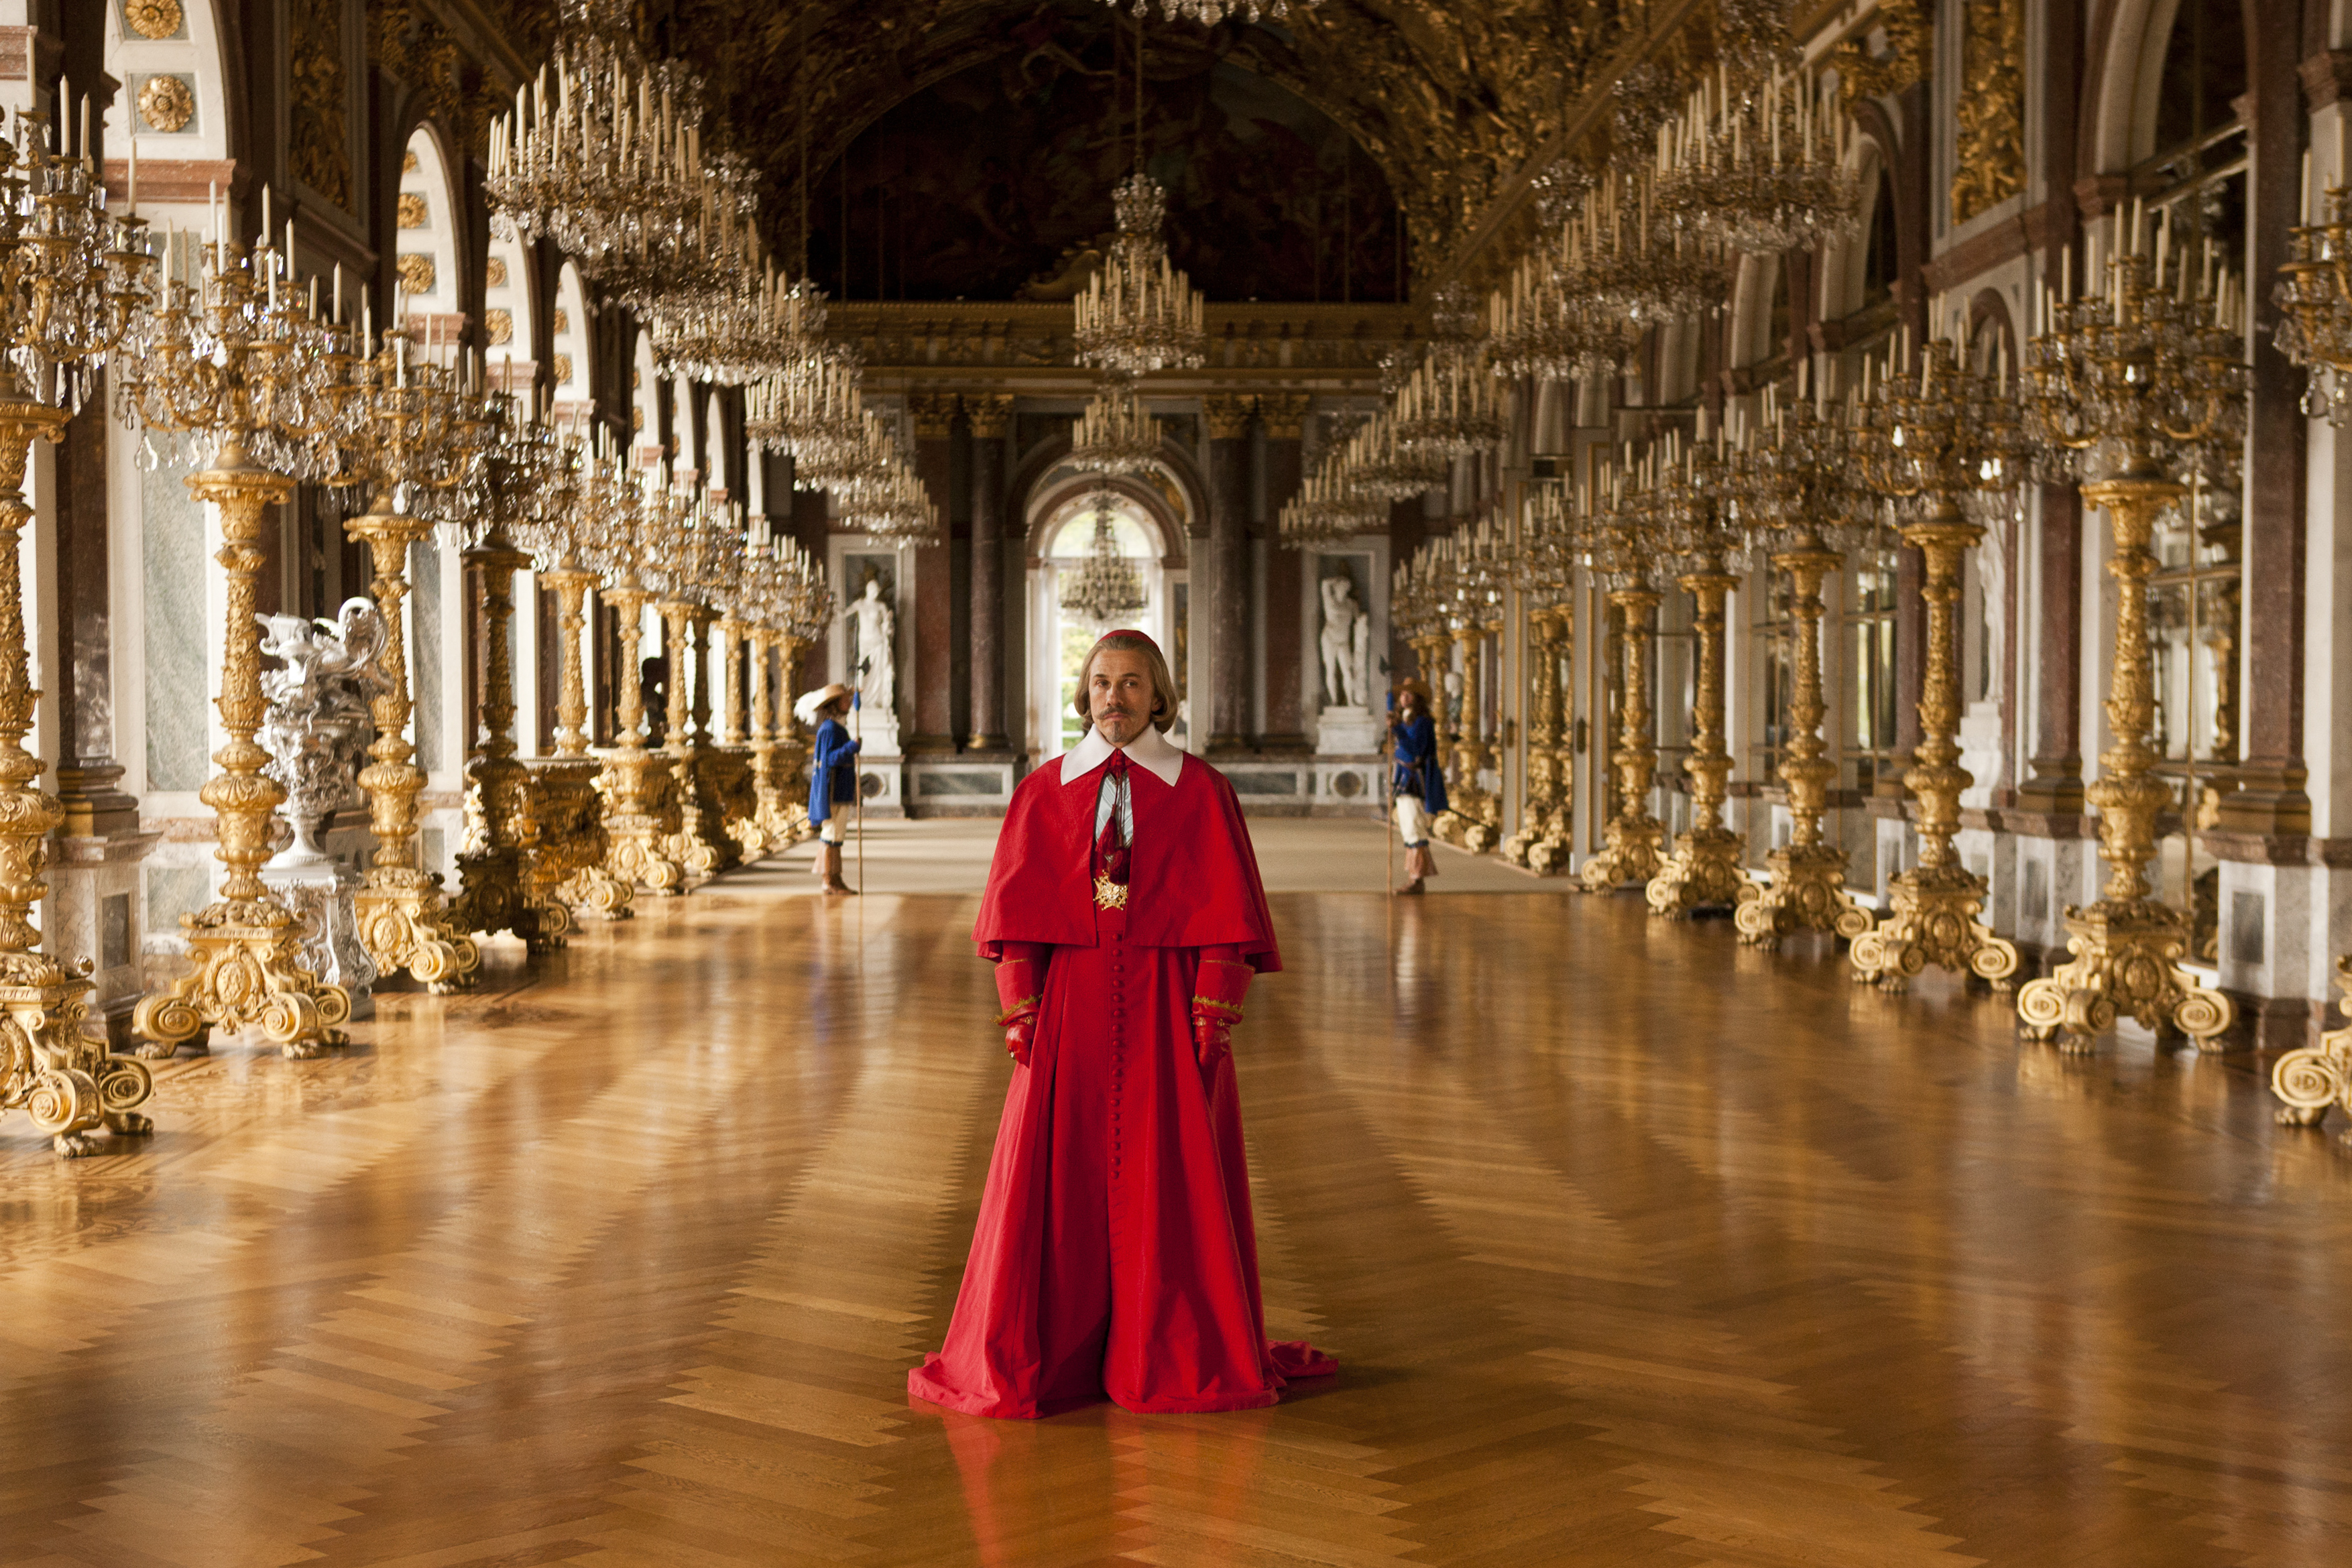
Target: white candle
(133, 194)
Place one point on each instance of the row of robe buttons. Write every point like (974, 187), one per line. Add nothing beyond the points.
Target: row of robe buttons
(1118, 1037)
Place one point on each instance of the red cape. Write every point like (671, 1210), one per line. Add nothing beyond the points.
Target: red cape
(1193, 874)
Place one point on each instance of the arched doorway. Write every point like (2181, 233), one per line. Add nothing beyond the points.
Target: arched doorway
(1064, 531)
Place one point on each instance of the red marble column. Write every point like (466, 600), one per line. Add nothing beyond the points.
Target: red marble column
(1230, 661)
(1282, 416)
(992, 417)
(934, 414)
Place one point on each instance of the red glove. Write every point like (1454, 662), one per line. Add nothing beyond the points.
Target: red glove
(1020, 988)
(1217, 992)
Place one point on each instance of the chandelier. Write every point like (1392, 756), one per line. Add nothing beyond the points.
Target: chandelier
(602, 155)
(811, 410)
(1446, 408)
(1758, 163)
(1116, 435)
(76, 283)
(1377, 465)
(1107, 588)
(1208, 13)
(1328, 507)
(1544, 327)
(1138, 313)
(746, 334)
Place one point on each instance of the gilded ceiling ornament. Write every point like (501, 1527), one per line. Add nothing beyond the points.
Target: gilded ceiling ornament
(1990, 145)
(495, 275)
(416, 273)
(564, 370)
(412, 210)
(153, 18)
(499, 326)
(1866, 71)
(408, 164)
(318, 106)
(563, 324)
(166, 103)
(1208, 13)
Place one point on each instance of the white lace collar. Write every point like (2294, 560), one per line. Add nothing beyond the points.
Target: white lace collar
(1150, 750)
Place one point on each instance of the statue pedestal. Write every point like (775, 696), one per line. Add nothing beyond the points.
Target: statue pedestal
(1347, 732)
(317, 889)
(881, 766)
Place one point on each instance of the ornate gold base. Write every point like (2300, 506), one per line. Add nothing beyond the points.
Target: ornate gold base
(699, 841)
(564, 838)
(635, 784)
(2311, 1080)
(1807, 893)
(1704, 873)
(1629, 856)
(1465, 829)
(2127, 962)
(496, 891)
(1934, 922)
(1549, 856)
(248, 970)
(405, 924)
(54, 1070)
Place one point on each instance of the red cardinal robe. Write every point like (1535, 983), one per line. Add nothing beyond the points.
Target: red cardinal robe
(1115, 1254)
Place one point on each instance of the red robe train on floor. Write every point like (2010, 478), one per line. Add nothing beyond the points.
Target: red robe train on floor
(1115, 1254)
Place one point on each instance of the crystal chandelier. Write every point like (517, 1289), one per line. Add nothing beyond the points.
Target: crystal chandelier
(1378, 465)
(1543, 327)
(897, 505)
(811, 410)
(1116, 435)
(606, 158)
(747, 334)
(1138, 313)
(1758, 163)
(1208, 13)
(1446, 408)
(1107, 588)
(1328, 507)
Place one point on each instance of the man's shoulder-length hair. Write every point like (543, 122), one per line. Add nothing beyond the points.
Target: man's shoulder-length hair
(1164, 696)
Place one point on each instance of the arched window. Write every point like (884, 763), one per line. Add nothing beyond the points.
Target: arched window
(1879, 265)
(1067, 540)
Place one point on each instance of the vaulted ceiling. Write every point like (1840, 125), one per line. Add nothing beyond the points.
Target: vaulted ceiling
(1450, 98)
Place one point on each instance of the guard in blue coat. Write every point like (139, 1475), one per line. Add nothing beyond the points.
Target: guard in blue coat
(833, 776)
(1419, 779)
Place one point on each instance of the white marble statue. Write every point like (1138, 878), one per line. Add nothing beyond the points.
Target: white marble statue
(1346, 645)
(316, 726)
(873, 651)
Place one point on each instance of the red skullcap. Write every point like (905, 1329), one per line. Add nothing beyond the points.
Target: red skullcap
(1128, 631)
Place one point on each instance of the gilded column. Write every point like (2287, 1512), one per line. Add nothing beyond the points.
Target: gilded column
(569, 817)
(1704, 871)
(246, 945)
(635, 781)
(497, 891)
(1808, 891)
(1630, 856)
(1935, 902)
(403, 916)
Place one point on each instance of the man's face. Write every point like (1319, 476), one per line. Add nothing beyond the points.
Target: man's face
(1118, 694)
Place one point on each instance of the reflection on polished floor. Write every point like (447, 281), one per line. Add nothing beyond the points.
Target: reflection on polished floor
(1637, 1247)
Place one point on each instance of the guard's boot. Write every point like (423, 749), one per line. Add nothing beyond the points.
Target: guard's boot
(830, 855)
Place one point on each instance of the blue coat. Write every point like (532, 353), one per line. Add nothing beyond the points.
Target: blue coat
(832, 776)
(1417, 770)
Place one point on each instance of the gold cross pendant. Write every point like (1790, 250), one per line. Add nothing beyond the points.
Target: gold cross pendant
(1110, 895)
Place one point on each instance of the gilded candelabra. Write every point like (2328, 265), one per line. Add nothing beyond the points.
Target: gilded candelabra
(405, 442)
(1934, 439)
(635, 782)
(230, 372)
(71, 280)
(1702, 530)
(795, 606)
(1546, 578)
(1619, 541)
(686, 541)
(1471, 611)
(519, 480)
(2127, 386)
(1800, 491)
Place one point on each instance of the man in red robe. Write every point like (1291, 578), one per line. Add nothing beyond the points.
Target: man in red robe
(1115, 1254)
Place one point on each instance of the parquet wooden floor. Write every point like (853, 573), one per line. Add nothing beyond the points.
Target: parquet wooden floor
(1637, 1249)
